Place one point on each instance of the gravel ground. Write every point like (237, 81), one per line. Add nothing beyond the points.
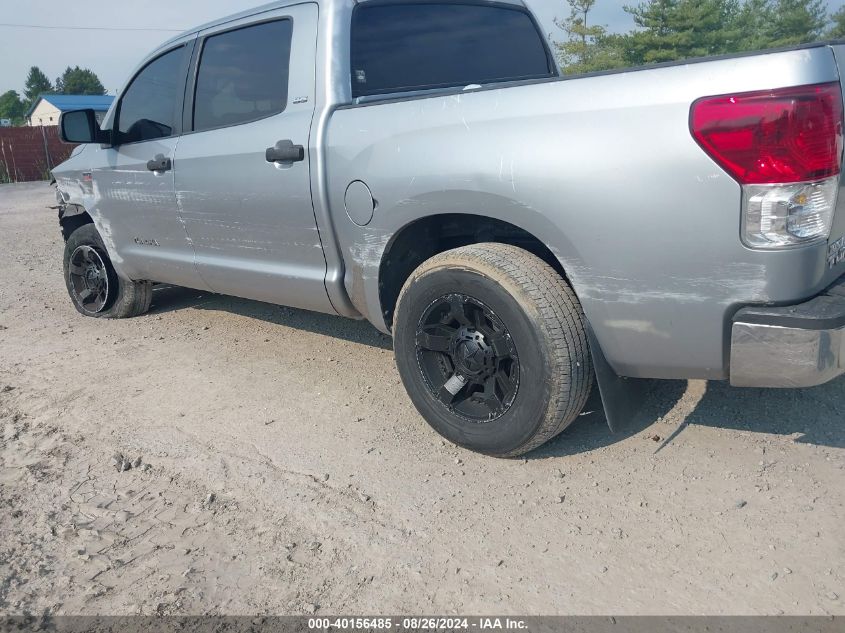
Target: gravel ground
(232, 457)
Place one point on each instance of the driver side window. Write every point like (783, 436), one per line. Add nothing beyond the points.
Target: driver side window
(148, 108)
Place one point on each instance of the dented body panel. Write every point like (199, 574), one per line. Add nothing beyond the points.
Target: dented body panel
(269, 249)
(601, 169)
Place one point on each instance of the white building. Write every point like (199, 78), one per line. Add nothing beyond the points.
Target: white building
(47, 108)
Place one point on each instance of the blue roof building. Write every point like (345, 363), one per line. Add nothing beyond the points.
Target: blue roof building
(47, 108)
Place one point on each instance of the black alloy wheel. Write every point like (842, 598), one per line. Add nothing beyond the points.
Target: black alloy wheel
(491, 345)
(94, 285)
(89, 279)
(467, 357)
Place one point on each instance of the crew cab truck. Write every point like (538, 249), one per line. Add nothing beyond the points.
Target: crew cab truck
(422, 165)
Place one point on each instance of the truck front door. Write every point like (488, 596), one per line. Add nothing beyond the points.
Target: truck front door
(133, 182)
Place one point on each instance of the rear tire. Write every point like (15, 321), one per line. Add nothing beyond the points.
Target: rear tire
(501, 329)
(93, 284)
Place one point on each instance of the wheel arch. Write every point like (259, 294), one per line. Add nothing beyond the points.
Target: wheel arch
(430, 235)
(71, 217)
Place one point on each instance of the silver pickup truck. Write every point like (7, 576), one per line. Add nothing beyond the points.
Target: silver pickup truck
(422, 165)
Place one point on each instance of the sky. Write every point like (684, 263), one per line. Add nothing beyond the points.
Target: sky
(122, 32)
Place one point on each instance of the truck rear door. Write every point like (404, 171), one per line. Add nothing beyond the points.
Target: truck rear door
(242, 169)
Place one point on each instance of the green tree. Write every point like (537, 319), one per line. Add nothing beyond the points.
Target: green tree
(656, 40)
(678, 29)
(586, 48)
(755, 21)
(11, 107)
(79, 81)
(669, 30)
(36, 85)
(837, 30)
(795, 22)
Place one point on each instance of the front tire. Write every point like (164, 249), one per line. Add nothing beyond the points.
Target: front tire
(491, 346)
(94, 286)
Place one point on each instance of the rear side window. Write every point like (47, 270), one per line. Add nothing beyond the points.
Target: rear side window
(243, 75)
(404, 47)
(148, 108)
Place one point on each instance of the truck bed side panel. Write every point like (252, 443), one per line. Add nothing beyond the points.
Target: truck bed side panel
(604, 171)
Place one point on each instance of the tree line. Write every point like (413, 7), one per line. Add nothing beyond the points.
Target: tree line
(73, 81)
(669, 30)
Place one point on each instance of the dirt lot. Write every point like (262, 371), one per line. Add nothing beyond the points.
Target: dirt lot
(284, 470)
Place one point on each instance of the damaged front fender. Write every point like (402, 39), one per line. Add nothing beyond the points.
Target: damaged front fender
(71, 215)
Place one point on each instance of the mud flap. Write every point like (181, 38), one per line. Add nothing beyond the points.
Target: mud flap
(622, 398)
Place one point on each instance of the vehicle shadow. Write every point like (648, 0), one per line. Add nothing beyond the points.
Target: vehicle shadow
(590, 431)
(167, 298)
(813, 416)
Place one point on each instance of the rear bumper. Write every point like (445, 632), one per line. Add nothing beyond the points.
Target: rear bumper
(794, 346)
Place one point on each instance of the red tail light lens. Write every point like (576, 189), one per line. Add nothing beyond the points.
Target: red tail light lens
(773, 136)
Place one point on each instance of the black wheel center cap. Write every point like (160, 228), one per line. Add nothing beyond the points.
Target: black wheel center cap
(471, 353)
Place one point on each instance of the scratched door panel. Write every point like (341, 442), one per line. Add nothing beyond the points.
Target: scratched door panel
(141, 218)
(135, 203)
(251, 220)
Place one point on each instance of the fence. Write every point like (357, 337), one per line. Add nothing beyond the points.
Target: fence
(29, 153)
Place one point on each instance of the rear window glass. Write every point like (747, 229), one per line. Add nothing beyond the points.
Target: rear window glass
(243, 75)
(405, 47)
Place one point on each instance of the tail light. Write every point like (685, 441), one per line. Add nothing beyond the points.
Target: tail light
(785, 148)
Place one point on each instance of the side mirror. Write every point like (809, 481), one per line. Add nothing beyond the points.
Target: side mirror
(80, 126)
